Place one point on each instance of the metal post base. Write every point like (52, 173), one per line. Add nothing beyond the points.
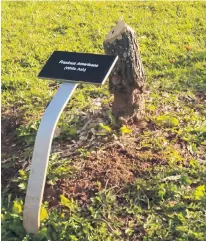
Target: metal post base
(42, 148)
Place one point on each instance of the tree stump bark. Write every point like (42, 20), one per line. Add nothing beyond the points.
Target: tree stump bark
(127, 80)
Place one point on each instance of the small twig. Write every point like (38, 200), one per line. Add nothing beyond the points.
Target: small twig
(110, 188)
(103, 220)
(106, 183)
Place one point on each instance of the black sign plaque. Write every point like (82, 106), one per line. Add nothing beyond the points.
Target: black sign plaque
(78, 67)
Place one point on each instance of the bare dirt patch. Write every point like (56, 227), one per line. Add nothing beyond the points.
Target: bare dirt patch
(10, 120)
(113, 167)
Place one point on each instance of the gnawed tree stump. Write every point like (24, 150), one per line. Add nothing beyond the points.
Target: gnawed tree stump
(127, 80)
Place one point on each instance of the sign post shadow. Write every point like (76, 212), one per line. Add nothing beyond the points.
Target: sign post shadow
(71, 68)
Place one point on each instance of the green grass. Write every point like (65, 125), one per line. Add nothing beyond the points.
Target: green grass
(167, 202)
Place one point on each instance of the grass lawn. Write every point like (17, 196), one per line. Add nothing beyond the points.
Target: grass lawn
(143, 182)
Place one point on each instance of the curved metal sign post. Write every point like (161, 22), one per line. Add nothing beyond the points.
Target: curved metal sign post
(35, 189)
(72, 68)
